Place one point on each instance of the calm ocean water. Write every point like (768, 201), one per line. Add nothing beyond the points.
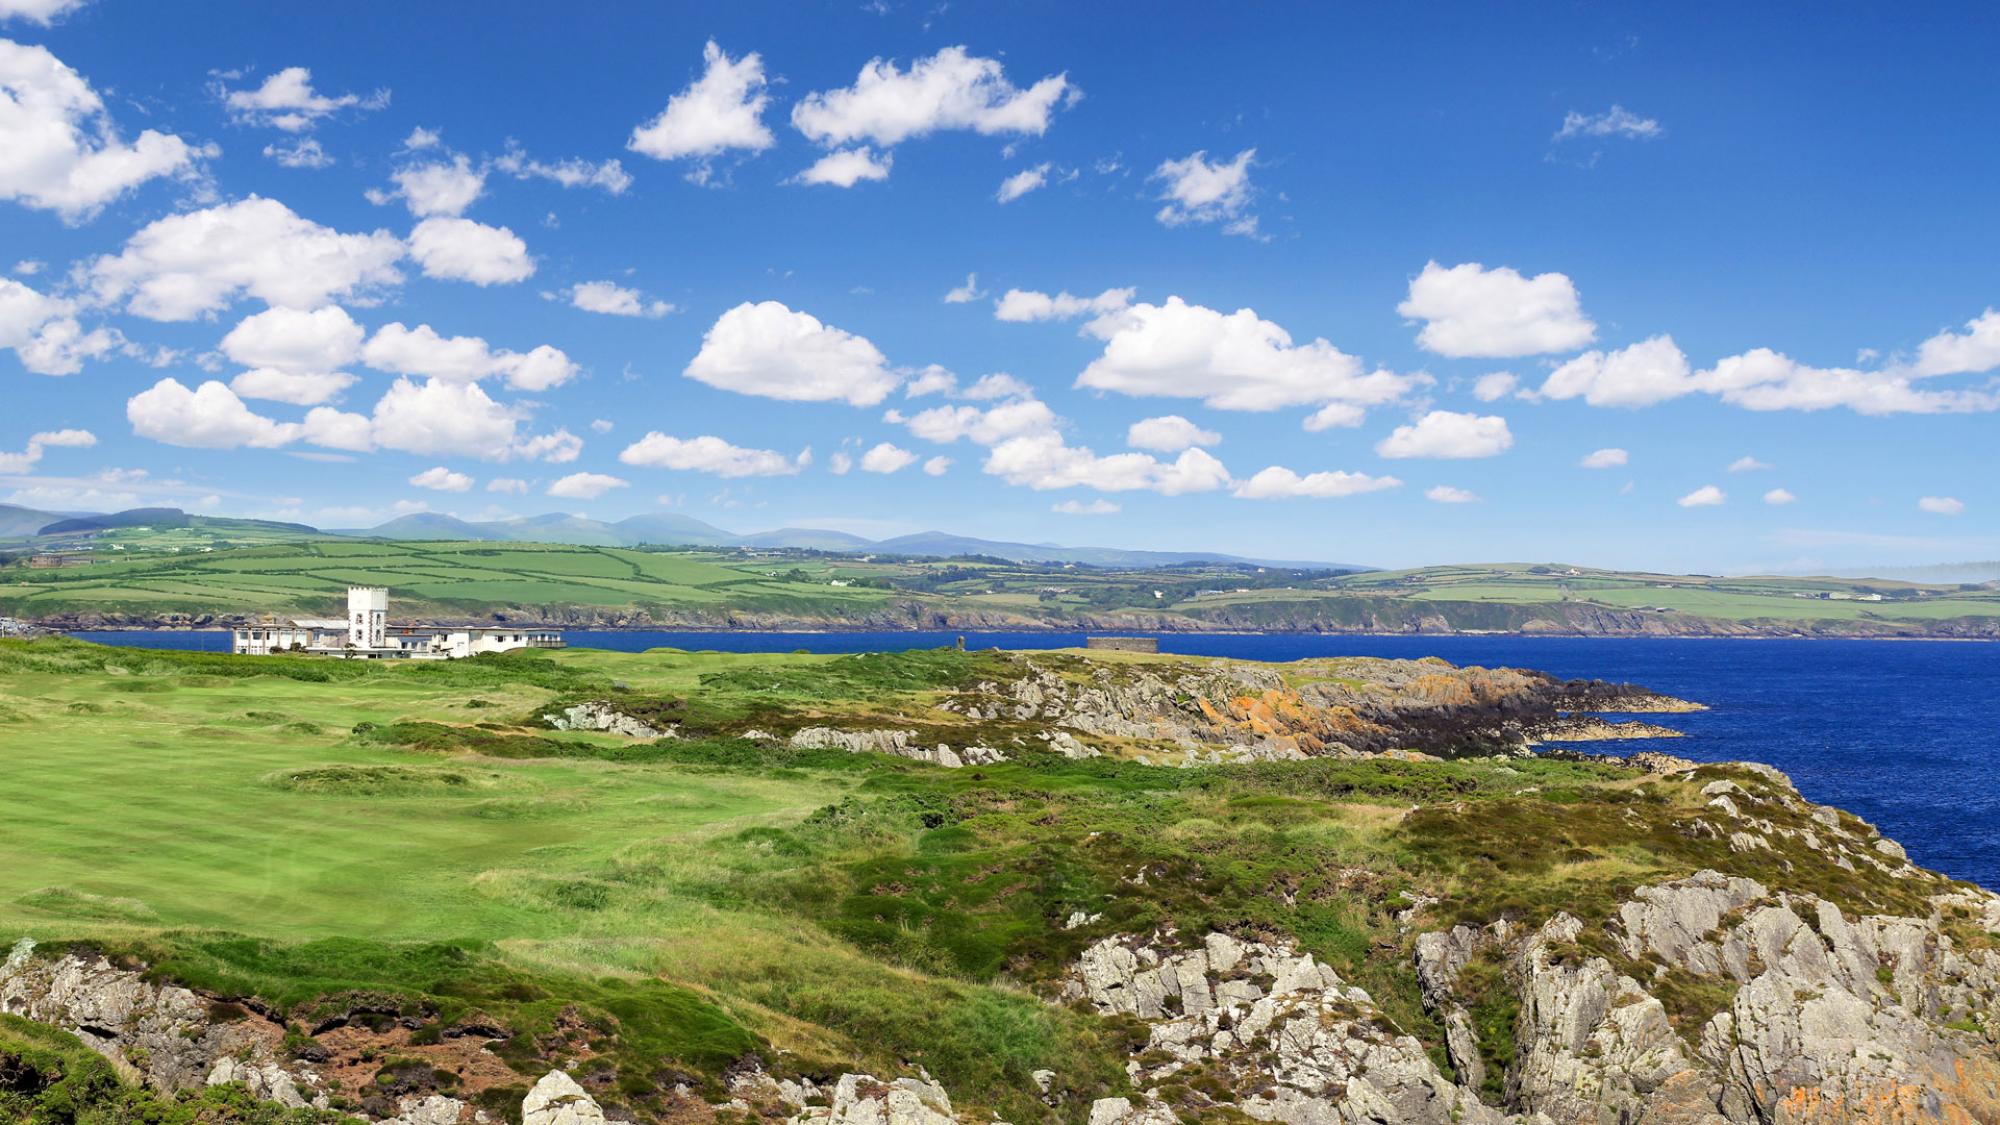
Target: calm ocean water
(1904, 733)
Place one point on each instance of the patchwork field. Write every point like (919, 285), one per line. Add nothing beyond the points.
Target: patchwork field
(709, 588)
(467, 579)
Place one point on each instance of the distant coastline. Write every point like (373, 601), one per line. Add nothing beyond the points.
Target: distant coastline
(826, 630)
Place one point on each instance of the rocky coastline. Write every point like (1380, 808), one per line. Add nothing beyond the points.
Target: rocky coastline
(1347, 617)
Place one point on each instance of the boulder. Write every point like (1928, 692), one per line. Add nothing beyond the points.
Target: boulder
(436, 1109)
(601, 716)
(558, 1100)
(863, 1099)
(268, 1081)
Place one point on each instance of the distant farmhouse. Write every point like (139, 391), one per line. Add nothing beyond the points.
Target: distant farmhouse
(366, 634)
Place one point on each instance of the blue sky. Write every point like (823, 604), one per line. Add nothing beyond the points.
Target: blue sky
(336, 264)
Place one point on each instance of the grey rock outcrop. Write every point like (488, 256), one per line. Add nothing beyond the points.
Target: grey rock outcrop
(158, 1034)
(557, 1100)
(1287, 1037)
(599, 715)
(268, 1080)
(437, 1109)
(861, 1099)
(1786, 1009)
(900, 743)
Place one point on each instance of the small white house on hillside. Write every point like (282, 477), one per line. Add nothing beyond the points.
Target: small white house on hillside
(365, 634)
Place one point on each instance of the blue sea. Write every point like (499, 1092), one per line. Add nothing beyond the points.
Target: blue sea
(1904, 733)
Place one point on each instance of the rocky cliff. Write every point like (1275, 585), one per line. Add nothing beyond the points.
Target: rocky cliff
(1190, 711)
(1707, 1000)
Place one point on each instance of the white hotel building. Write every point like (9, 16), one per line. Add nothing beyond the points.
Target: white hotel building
(365, 634)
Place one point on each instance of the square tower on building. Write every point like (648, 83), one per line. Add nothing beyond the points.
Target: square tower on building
(368, 616)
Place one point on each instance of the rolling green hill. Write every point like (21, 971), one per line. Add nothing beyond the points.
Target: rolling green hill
(428, 579)
(158, 580)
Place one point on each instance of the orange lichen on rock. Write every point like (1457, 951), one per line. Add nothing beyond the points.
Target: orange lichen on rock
(1969, 1096)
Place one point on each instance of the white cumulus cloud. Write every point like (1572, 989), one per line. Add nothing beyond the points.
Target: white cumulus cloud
(1026, 305)
(1335, 415)
(338, 429)
(612, 299)
(208, 417)
(720, 111)
(1446, 494)
(886, 458)
(847, 167)
(991, 426)
(464, 250)
(1641, 374)
(290, 339)
(1941, 505)
(438, 187)
(1470, 311)
(26, 460)
(1747, 464)
(1655, 370)
(1450, 435)
(182, 266)
(1280, 483)
(402, 350)
(44, 12)
(441, 479)
(1168, 433)
(44, 332)
(1973, 351)
(1496, 386)
(59, 150)
(1231, 361)
(444, 418)
(710, 454)
(287, 101)
(1198, 190)
(952, 89)
(300, 388)
(1707, 496)
(1043, 461)
(1762, 379)
(1605, 459)
(585, 486)
(1778, 497)
(769, 350)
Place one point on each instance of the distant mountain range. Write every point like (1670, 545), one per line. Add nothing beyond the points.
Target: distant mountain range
(18, 523)
(28, 526)
(1965, 573)
(685, 531)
